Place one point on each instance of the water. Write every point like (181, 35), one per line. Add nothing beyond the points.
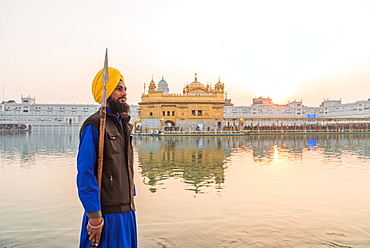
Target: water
(254, 191)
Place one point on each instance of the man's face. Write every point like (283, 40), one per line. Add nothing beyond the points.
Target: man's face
(119, 94)
(117, 100)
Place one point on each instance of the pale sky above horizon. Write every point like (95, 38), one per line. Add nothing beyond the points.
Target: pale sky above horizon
(284, 50)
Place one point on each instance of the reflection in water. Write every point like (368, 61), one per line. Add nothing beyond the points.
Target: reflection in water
(37, 178)
(312, 142)
(201, 161)
(264, 147)
(26, 146)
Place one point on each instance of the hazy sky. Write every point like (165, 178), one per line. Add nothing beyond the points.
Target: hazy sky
(286, 50)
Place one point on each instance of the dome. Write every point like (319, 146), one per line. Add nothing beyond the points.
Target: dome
(196, 87)
(196, 84)
(162, 83)
(163, 86)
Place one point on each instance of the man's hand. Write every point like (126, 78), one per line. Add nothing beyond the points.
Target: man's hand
(94, 229)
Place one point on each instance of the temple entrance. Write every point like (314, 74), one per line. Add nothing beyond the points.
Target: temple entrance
(170, 126)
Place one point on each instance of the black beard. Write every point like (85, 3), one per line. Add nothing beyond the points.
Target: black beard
(118, 107)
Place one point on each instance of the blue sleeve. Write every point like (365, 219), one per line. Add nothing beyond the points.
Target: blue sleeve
(87, 184)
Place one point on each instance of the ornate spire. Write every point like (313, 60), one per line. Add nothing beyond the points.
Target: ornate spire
(219, 86)
(152, 86)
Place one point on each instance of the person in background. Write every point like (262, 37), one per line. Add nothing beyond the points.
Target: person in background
(109, 219)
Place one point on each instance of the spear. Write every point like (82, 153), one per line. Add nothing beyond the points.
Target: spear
(102, 120)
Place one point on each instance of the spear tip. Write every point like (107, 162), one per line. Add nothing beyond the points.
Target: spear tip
(105, 73)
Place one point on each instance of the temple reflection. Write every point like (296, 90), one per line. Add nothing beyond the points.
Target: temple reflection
(201, 162)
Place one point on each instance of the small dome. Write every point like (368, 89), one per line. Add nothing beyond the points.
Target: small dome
(162, 83)
(163, 86)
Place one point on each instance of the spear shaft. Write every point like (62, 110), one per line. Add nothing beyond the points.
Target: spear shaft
(102, 121)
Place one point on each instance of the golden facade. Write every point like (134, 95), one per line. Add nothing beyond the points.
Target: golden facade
(199, 107)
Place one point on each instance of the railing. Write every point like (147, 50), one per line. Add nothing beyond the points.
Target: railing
(256, 131)
(191, 133)
(199, 132)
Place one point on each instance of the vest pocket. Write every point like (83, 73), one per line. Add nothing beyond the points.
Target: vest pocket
(114, 142)
(113, 136)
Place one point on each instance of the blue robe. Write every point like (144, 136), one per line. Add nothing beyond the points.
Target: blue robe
(120, 228)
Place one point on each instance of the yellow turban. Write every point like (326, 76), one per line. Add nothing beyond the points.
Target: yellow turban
(97, 85)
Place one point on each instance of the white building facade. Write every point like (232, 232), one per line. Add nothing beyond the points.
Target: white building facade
(264, 111)
(38, 116)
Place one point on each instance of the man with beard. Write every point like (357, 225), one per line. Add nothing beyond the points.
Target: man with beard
(109, 219)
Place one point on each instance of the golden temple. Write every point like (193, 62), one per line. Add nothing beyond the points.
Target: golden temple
(199, 107)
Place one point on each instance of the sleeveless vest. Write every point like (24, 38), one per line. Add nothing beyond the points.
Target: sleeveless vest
(117, 187)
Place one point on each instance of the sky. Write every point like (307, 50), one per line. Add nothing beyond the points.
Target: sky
(286, 50)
